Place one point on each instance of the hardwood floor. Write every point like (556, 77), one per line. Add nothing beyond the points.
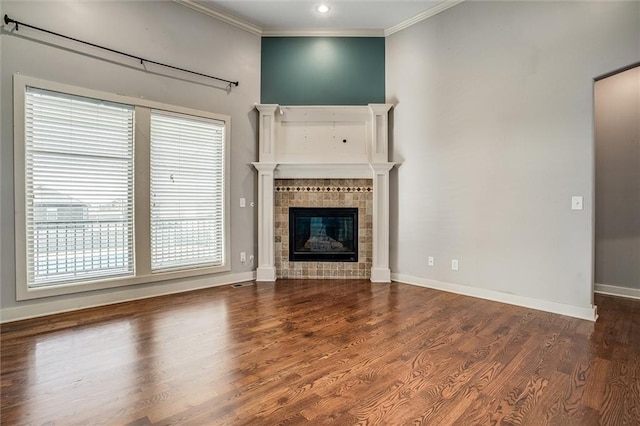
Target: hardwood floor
(317, 352)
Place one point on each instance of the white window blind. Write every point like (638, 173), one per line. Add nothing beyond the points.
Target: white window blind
(78, 187)
(187, 191)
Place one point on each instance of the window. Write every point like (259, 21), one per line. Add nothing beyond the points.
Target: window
(187, 181)
(114, 191)
(79, 188)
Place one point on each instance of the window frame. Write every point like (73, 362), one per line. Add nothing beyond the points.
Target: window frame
(141, 193)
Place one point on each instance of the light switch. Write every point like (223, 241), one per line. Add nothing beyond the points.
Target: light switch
(576, 202)
(243, 202)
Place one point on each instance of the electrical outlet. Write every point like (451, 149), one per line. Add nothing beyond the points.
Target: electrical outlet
(454, 264)
(430, 260)
(243, 256)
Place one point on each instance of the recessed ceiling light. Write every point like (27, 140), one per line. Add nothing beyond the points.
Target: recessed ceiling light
(323, 8)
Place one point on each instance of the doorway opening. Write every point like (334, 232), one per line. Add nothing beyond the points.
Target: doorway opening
(617, 183)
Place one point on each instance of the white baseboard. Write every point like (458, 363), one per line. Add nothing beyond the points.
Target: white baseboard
(586, 312)
(43, 307)
(614, 290)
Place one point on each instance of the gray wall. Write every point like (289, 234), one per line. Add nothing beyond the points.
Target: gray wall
(494, 125)
(617, 113)
(162, 31)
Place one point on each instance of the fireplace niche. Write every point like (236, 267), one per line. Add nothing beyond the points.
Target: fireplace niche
(323, 234)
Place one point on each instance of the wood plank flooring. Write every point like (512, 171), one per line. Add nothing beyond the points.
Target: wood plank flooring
(322, 352)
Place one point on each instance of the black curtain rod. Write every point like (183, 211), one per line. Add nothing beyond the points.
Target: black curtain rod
(8, 20)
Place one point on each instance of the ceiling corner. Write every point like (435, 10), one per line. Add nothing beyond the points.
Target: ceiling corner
(322, 33)
(284, 32)
(441, 7)
(224, 17)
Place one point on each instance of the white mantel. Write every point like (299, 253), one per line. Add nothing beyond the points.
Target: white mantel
(323, 142)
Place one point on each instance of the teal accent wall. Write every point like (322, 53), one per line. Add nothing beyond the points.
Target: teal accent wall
(322, 70)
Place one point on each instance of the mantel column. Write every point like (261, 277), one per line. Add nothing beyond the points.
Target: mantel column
(379, 143)
(380, 272)
(267, 133)
(266, 247)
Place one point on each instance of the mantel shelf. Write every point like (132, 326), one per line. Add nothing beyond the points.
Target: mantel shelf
(311, 170)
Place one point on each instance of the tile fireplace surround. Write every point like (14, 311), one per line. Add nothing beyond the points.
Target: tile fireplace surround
(340, 153)
(356, 193)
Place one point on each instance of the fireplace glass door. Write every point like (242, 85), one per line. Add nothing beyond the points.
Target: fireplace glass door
(323, 234)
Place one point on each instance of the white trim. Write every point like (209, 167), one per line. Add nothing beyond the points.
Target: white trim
(45, 307)
(322, 170)
(322, 33)
(221, 16)
(447, 4)
(19, 181)
(21, 80)
(309, 32)
(615, 290)
(583, 312)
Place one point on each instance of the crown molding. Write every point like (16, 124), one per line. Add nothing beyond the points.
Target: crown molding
(224, 17)
(446, 4)
(321, 33)
(275, 32)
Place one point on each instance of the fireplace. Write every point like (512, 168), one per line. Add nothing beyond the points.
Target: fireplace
(356, 194)
(340, 145)
(323, 234)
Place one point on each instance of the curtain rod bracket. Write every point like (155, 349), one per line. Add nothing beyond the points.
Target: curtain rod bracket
(8, 21)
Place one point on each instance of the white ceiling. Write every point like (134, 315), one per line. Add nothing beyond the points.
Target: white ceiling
(299, 17)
